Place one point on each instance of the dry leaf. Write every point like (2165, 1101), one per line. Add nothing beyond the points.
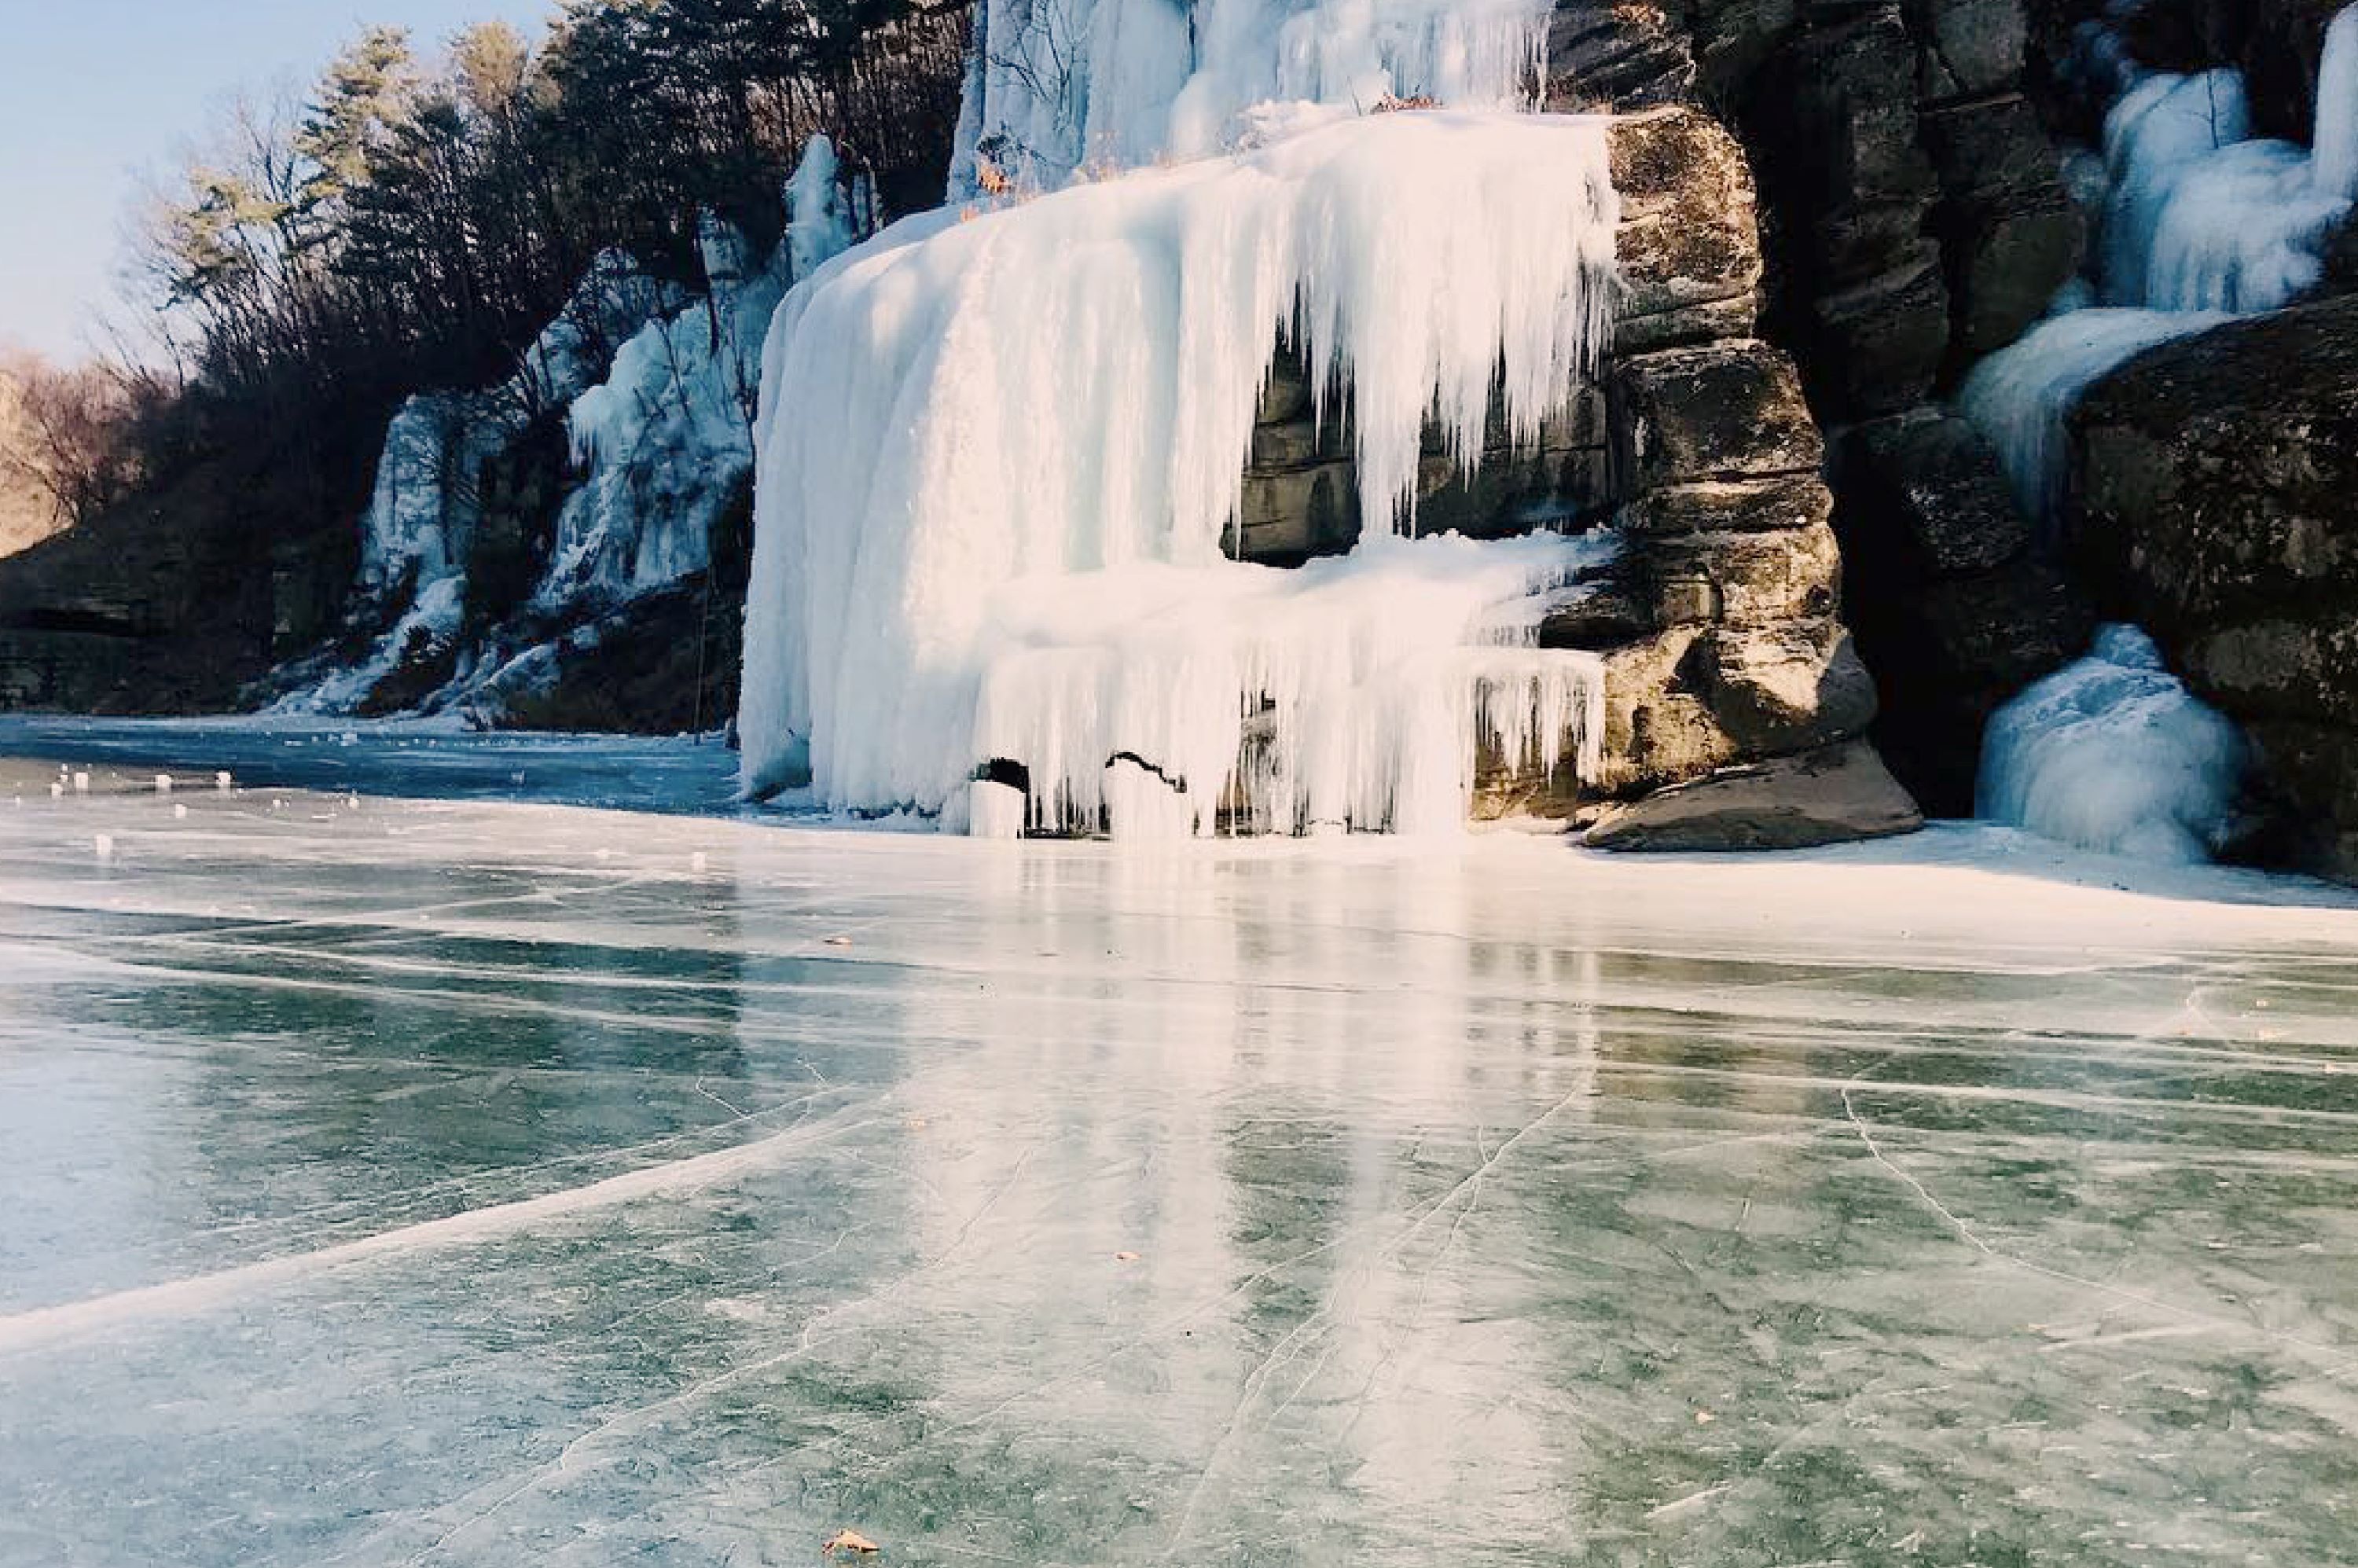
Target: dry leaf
(1125, 1257)
(1704, 1418)
(852, 1541)
(839, 941)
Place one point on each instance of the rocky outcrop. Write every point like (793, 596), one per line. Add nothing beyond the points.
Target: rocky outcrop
(1838, 794)
(1719, 618)
(168, 605)
(2218, 478)
(1963, 612)
(1920, 221)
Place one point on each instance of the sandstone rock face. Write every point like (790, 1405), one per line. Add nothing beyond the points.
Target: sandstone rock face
(2219, 485)
(1834, 795)
(1719, 617)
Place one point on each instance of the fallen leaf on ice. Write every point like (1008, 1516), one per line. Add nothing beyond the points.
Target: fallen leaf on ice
(852, 1541)
(1125, 1257)
(839, 941)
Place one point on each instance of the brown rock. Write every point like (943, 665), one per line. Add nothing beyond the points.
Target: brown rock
(1836, 794)
(1722, 412)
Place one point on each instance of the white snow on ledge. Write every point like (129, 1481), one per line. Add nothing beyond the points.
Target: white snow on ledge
(1061, 392)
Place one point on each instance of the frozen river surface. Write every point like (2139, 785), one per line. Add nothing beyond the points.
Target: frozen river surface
(447, 1181)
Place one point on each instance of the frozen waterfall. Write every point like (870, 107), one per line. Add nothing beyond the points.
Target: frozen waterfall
(2113, 755)
(1056, 86)
(1000, 450)
(2196, 222)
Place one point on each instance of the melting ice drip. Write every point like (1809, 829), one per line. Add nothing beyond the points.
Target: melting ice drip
(2196, 222)
(1054, 86)
(998, 456)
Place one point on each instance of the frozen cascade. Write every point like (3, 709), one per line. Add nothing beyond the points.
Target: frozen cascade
(424, 504)
(1055, 86)
(991, 529)
(664, 440)
(1357, 692)
(2197, 224)
(2113, 755)
(661, 428)
(421, 512)
(2021, 396)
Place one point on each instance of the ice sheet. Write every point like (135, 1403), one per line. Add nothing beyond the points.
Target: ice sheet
(425, 1182)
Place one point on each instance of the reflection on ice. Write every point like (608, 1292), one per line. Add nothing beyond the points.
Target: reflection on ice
(454, 1183)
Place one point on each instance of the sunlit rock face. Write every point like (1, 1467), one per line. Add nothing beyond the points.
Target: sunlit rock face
(1717, 612)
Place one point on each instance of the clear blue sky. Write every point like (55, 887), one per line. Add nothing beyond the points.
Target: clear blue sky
(95, 93)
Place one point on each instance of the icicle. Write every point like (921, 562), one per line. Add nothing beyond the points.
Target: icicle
(2335, 144)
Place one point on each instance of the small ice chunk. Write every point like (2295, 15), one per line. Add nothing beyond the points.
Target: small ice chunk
(994, 810)
(163, 784)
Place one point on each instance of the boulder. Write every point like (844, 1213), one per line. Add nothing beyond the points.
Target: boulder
(2219, 485)
(1831, 795)
(1924, 498)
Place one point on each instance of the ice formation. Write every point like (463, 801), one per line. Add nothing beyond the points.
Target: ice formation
(2021, 396)
(1055, 86)
(659, 395)
(2196, 222)
(1357, 692)
(422, 507)
(2113, 755)
(999, 457)
(664, 440)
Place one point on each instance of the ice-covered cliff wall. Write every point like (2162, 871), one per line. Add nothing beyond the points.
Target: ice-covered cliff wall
(657, 392)
(1059, 85)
